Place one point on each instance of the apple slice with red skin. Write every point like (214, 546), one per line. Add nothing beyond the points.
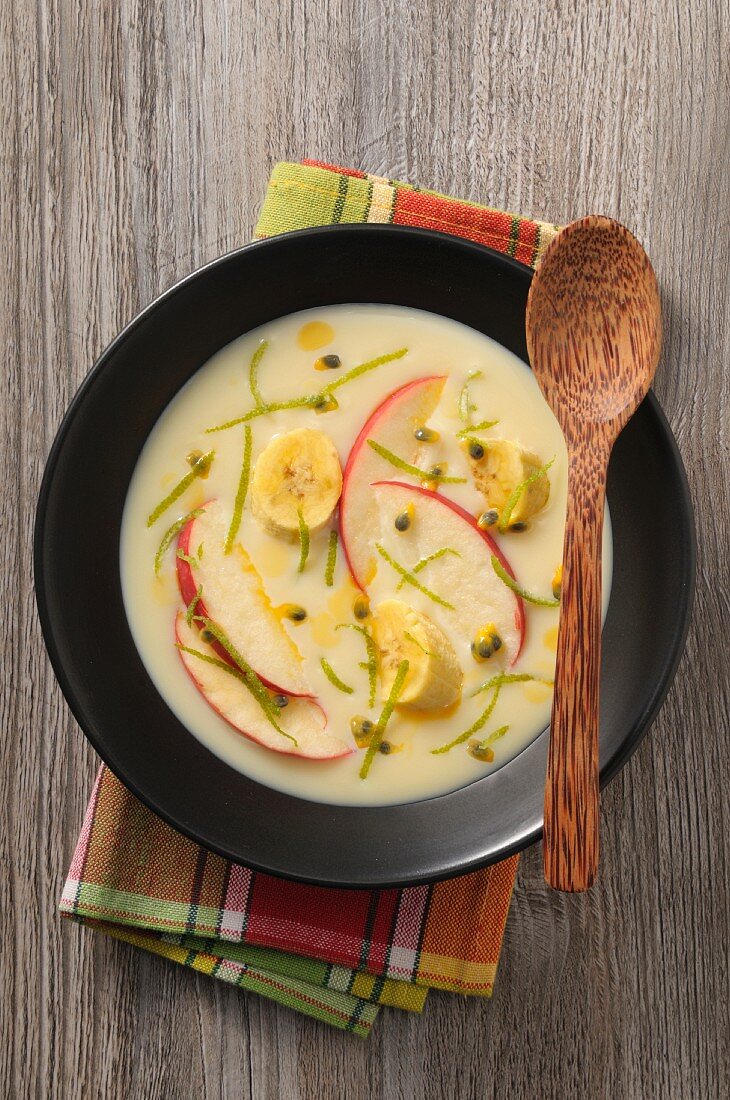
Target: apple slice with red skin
(465, 579)
(233, 597)
(392, 425)
(302, 718)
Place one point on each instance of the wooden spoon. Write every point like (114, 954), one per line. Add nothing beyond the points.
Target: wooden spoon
(593, 334)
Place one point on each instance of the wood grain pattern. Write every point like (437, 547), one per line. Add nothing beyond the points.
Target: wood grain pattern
(136, 143)
(594, 334)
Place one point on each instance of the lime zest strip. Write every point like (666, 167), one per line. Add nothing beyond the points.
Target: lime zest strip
(201, 466)
(411, 638)
(371, 665)
(242, 488)
(539, 601)
(409, 468)
(251, 679)
(253, 367)
(334, 678)
(517, 493)
(410, 579)
(329, 572)
(190, 612)
(303, 541)
(192, 562)
(423, 562)
(377, 737)
(511, 678)
(482, 426)
(263, 410)
(466, 408)
(371, 364)
(474, 728)
(169, 536)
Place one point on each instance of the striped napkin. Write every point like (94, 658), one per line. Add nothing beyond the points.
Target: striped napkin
(337, 955)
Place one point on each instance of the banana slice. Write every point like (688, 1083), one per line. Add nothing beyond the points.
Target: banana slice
(298, 470)
(434, 674)
(497, 473)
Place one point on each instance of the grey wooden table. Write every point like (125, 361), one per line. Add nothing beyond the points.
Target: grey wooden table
(136, 142)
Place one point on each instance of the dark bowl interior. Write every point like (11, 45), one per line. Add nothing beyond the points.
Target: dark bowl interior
(80, 599)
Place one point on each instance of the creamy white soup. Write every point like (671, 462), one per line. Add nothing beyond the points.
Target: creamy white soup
(378, 637)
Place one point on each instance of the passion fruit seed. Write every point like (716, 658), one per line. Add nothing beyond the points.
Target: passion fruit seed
(486, 643)
(557, 582)
(404, 519)
(281, 700)
(361, 607)
(200, 463)
(520, 525)
(480, 751)
(193, 458)
(324, 402)
(475, 449)
(385, 747)
(294, 612)
(207, 636)
(487, 519)
(360, 725)
(436, 472)
(426, 435)
(328, 362)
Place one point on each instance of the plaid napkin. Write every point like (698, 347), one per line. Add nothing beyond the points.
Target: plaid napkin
(333, 954)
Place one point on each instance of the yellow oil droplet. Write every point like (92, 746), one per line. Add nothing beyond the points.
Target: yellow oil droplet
(551, 638)
(342, 602)
(167, 479)
(322, 628)
(163, 591)
(536, 693)
(276, 560)
(314, 335)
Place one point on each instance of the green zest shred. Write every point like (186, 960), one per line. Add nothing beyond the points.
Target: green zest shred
(190, 612)
(466, 408)
(487, 741)
(200, 467)
(423, 562)
(410, 637)
(172, 532)
(253, 368)
(539, 601)
(410, 579)
(263, 410)
(303, 541)
(409, 468)
(248, 676)
(312, 400)
(482, 426)
(364, 368)
(329, 572)
(510, 678)
(192, 562)
(242, 486)
(371, 665)
(479, 724)
(517, 493)
(334, 678)
(377, 737)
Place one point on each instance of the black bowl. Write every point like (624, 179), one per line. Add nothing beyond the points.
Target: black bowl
(80, 598)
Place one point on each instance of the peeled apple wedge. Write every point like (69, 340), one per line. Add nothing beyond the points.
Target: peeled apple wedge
(298, 471)
(234, 598)
(506, 465)
(392, 424)
(434, 674)
(302, 719)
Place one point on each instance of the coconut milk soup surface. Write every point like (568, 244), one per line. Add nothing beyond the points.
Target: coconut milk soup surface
(369, 674)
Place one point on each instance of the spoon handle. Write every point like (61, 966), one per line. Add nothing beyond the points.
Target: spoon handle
(570, 844)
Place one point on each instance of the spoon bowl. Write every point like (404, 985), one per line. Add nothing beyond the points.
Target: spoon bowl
(594, 336)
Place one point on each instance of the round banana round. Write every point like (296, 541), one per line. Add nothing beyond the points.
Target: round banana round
(298, 472)
(497, 473)
(434, 674)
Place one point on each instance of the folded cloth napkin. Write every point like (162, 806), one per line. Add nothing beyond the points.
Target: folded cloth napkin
(333, 954)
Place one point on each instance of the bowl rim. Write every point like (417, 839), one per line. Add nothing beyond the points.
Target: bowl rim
(521, 840)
